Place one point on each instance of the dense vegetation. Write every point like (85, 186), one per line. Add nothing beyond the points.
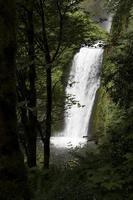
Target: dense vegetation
(48, 33)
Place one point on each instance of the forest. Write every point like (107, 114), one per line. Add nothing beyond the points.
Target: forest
(66, 99)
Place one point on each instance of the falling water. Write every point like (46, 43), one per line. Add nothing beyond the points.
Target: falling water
(84, 80)
(82, 86)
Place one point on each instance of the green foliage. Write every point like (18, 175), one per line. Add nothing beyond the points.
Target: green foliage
(113, 115)
(106, 115)
(83, 29)
(118, 71)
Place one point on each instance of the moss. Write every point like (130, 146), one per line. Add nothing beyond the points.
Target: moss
(97, 119)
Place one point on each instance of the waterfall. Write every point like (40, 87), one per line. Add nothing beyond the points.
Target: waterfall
(82, 86)
(84, 80)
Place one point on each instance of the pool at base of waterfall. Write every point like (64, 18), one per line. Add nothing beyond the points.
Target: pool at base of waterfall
(68, 142)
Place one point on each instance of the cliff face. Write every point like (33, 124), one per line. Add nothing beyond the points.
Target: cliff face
(115, 97)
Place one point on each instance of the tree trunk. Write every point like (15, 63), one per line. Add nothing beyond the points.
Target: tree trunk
(13, 179)
(32, 135)
(48, 119)
(49, 90)
(29, 115)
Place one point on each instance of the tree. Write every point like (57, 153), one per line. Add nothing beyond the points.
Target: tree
(32, 90)
(13, 180)
(27, 74)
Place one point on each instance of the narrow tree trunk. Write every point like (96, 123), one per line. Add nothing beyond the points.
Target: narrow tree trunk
(48, 119)
(49, 91)
(32, 135)
(12, 171)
